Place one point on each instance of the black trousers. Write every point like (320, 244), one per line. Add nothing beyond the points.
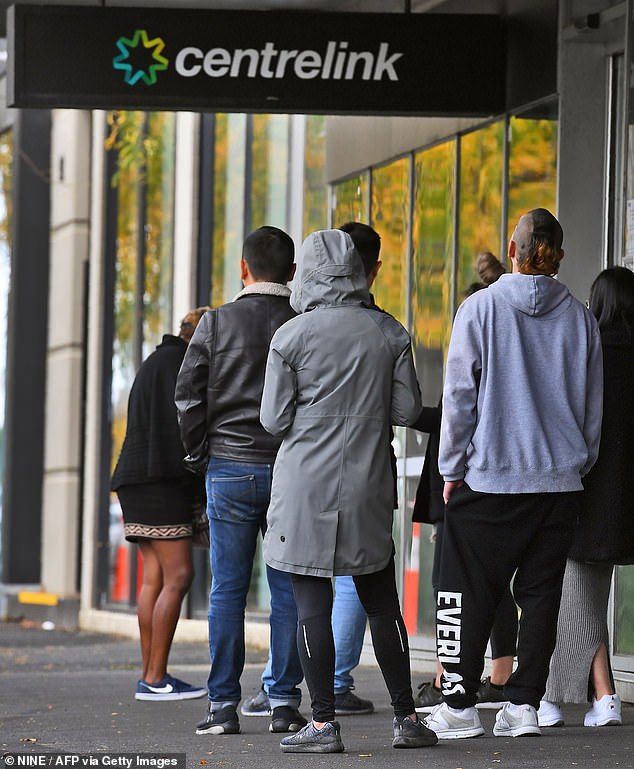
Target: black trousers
(378, 595)
(488, 538)
(504, 630)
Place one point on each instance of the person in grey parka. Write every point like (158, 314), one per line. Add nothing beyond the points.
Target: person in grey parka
(337, 376)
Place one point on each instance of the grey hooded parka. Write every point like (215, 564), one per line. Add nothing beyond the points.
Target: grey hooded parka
(337, 377)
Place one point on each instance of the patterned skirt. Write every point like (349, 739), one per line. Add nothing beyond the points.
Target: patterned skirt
(160, 509)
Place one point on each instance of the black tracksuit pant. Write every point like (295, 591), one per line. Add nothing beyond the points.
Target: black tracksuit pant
(487, 539)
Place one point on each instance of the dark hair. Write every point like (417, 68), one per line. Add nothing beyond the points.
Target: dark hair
(489, 267)
(612, 298)
(367, 242)
(270, 253)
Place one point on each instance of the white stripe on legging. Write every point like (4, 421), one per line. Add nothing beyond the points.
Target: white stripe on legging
(400, 635)
(306, 642)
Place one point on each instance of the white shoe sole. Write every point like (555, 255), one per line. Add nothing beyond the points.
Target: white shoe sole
(170, 697)
(517, 731)
(609, 722)
(458, 734)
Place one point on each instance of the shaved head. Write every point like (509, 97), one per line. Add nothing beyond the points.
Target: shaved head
(537, 240)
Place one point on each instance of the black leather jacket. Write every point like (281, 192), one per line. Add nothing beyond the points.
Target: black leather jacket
(219, 387)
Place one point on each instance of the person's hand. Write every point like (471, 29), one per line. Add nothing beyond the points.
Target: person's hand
(450, 487)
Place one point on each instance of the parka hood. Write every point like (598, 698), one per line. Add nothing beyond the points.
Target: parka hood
(532, 294)
(329, 272)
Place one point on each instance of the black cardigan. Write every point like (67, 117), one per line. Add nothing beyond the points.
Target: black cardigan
(605, 530)
(152, 447)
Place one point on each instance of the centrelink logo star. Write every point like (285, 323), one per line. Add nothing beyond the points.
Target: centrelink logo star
(134, 74)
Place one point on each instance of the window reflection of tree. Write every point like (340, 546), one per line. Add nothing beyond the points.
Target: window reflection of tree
(390, 218)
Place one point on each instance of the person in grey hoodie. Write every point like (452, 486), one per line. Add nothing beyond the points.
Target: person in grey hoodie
(522, 405)
(337, 377)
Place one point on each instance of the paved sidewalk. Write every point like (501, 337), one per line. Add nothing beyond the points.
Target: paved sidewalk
(73, 692)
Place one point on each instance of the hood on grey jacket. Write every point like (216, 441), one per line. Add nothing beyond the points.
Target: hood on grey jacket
(531, 294)
(329, 272)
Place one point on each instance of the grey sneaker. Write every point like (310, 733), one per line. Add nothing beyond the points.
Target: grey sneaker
(312, 740)
(223, 721)
(348, 704)
(520, 721)
(412, 734)
(257, 706)
(450, 726)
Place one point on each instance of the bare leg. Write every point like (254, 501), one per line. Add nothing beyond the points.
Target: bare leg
(438, 674)
(175, 559)
(150, 590)
(501, 669)
(600, 673)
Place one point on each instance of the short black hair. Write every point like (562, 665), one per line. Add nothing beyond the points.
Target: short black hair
(367, 242)
(612, 298)
(270, 254)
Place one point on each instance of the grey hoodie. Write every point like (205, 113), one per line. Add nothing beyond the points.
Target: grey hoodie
(337, 377)
(523, 392)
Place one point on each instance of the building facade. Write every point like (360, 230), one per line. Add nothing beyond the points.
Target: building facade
(114, 222)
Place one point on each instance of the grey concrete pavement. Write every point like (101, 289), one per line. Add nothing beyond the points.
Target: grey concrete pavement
(73, 692)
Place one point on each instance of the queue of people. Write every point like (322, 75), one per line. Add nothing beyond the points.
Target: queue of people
(285, 401)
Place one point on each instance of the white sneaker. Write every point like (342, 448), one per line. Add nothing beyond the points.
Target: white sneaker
(516, 721)
(450, 726)
(549, 714)
(604, 712)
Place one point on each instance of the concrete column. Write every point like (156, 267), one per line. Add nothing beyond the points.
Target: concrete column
(70, 208)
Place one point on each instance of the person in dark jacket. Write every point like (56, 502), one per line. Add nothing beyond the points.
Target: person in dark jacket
(157, 496)
(604, 534)
(218, 394)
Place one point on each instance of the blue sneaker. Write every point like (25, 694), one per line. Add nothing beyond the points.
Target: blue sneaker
(168, 688)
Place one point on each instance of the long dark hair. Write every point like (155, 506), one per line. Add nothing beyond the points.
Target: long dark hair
(612, 298)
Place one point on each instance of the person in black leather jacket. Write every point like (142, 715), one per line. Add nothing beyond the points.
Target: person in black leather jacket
(218, 393)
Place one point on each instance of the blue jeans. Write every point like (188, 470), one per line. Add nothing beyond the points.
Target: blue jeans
(348, 627)
(237, 500)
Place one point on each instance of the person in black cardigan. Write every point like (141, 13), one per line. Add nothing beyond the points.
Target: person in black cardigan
(157, 496)
(604, 535)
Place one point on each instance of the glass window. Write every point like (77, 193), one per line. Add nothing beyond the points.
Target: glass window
(144, 181)
(350, 201)
(430, 296)
(480, 214)
(229, 186)
(6, 161)
(532, 163)
(159, 228)
(315, 187)
(390, 218)
(624, 619)
(269, 179)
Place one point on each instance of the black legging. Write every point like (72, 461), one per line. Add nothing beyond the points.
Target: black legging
(377, 593)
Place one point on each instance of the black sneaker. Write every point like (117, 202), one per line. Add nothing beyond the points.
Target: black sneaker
(349, 704)
(223, 721)
(412, 734)
(257, 706)
(427, 697)
(286, 719)
(312, 740)
(490, 696)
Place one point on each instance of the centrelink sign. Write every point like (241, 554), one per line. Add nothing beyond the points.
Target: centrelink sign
(283, 61)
